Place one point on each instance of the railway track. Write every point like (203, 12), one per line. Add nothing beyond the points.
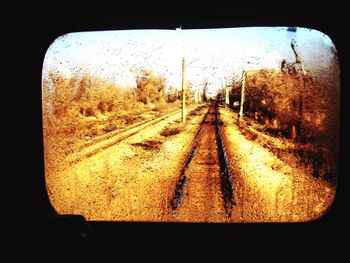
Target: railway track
(105, 141)
(204, 178)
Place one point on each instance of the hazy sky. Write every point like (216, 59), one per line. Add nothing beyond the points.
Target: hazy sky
(211, 54)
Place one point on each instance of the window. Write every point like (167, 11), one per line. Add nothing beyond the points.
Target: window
(209, 125)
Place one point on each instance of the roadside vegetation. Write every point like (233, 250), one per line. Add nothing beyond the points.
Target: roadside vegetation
(77, 109)
(290, 105)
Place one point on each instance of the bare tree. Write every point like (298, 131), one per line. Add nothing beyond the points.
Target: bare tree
(150, 87)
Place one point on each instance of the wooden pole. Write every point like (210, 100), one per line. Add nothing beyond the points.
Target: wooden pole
(183, 87)
(227, 94)
(196, 95)
(240, 115)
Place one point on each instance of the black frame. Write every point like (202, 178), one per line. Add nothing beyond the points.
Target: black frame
(56, 236)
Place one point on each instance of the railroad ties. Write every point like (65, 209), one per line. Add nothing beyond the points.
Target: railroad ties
(226, 182)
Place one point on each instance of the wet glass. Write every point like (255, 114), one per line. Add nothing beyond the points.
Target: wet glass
(210, 125)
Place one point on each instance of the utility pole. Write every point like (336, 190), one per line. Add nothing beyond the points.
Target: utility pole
(183, 87)
(196, 95)
(240, 115)
(200, 94)
(205, 87)
(227, 94)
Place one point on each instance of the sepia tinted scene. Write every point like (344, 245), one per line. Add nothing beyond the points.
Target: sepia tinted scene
(192, 125)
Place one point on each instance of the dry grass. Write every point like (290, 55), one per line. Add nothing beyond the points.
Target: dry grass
(170, 131)
(308, 155)
(77, 109)
(71, 105)
(294, 108)
(148, 145)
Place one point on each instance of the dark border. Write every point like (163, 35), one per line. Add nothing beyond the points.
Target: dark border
(37, 31)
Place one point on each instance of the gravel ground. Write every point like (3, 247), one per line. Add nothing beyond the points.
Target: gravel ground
(268, 189)
(135, 179)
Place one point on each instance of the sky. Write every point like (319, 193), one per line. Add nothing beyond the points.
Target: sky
(213, 55)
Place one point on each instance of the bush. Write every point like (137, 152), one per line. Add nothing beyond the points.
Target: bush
(150, 87)
(288, 98)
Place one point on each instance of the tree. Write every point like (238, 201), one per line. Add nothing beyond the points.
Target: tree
(150, 87)
(173, 94)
